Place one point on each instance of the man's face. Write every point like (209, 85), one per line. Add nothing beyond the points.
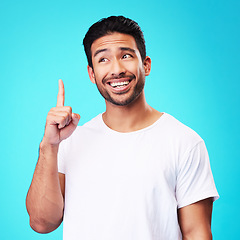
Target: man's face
(118, 69)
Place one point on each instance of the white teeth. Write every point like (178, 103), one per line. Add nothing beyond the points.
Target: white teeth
(119, 84)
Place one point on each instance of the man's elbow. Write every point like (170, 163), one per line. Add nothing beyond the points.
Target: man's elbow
(42, 226)
(198, 235)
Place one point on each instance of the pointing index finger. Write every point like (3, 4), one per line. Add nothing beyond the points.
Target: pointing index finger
(61, 94)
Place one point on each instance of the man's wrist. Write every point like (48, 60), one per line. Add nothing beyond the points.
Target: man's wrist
(46, 146)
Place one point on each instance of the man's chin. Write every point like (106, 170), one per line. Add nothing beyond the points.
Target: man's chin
(124, 102)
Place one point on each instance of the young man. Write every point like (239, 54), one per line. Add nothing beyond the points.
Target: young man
(131, 172)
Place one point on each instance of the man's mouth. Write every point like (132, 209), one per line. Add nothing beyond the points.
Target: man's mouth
(119, 84)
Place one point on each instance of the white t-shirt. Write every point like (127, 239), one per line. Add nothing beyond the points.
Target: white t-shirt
(128, 186)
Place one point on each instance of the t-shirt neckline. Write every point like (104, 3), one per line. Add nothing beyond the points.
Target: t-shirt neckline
(160, 119)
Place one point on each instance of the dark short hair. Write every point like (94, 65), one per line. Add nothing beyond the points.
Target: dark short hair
(110, 25)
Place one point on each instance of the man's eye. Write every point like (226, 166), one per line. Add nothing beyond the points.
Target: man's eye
(127, 56)
(103, 60)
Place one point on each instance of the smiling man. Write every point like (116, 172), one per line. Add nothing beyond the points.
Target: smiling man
(130, 173)
(119, 82)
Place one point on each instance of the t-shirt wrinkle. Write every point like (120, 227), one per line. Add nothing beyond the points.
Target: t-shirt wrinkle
(186, 154)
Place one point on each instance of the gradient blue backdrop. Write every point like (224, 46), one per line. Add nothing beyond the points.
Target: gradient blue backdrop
(194, 46)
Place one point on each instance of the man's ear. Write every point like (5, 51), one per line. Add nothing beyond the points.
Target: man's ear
(147, 65)
(91, 74)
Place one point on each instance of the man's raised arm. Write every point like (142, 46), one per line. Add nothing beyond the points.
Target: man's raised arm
(45, 198)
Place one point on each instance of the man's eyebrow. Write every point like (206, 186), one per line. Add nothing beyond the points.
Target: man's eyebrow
(121, 48)
(99, 51)
(127, 49)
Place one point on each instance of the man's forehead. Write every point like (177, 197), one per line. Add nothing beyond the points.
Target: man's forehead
(114, 40)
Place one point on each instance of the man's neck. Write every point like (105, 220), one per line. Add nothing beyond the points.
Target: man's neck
(132, 117)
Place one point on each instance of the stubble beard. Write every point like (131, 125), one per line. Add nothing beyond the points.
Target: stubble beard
(136, 93)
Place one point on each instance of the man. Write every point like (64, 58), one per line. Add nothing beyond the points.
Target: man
(131, 172)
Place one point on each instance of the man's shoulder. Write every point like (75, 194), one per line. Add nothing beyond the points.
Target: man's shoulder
(86, 130)
(92, 126)
(178, 131)
(95, 122)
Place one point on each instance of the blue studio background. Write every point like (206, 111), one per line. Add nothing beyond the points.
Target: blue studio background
(194, 46)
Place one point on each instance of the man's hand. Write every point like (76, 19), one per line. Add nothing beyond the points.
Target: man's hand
(61, 122)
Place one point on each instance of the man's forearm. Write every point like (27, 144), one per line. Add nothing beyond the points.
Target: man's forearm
(195, 220)
(44, 199)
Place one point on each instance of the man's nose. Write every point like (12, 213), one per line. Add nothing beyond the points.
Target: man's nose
(117, 67)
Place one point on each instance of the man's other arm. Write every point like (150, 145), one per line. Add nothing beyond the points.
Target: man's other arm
(195, 220)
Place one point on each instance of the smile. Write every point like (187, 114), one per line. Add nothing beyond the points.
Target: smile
(119, 84)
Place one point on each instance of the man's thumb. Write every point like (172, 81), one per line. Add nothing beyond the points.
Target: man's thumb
(75, 118)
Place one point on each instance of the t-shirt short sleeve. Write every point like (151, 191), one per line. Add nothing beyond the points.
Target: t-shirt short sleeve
(195, 180)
